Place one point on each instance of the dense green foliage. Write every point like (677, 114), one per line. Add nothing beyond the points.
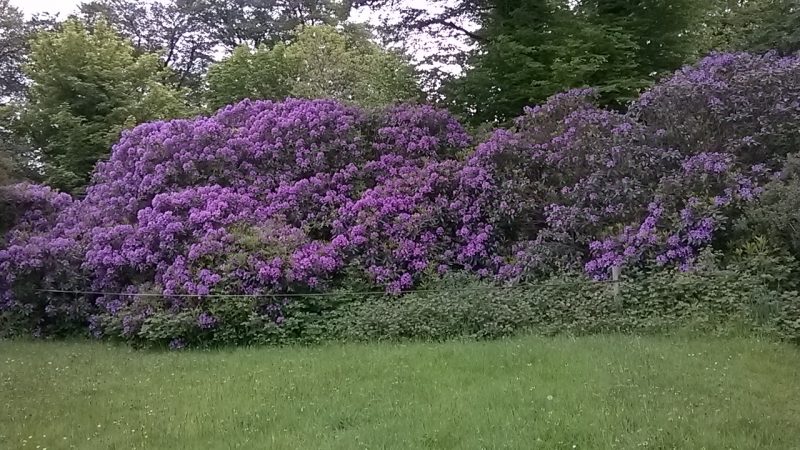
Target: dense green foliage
(533, 49)
(320, 62)
(86, 87)
(755, 25)
(759, 297)
(759, 293)
(529, 50)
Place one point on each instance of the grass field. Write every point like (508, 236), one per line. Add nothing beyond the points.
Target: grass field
(587, 393)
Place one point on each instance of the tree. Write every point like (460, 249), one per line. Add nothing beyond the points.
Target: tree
(173, 29)
(517, 52)
(756, 25)
(13, 47)
(664, 31)
(320, 62)
(255, 22)
(530, 50)
(86, 86)
(259, 74)
(13, 35)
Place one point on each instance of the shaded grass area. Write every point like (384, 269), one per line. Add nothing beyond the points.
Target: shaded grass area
(530, 392)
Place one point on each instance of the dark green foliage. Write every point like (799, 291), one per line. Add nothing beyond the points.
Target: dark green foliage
(776, 214)
(527, 51)
(756, 292)
(7, 168)
(535, 49)
(663, 31)
(755, 25)
(778, 27)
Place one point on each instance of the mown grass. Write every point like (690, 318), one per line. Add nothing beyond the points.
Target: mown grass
(532, 392)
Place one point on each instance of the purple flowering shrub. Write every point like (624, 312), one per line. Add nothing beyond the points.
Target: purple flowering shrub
(260, 198)
(733, 118)
(572, 185)
(741, 104)
(38, 253)
(404, 226)
(689, 208)
(537, 194)
(283, 200)
(30, 208)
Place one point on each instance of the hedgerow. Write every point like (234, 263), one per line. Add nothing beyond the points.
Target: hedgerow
(283, 200)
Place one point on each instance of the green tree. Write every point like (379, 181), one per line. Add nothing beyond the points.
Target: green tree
(755, 25)
(518, 52)
(171, 28)
(233, 23)
(259, 74)
(665, 31)
(533, 49)
(13, 46)
(86, 86)
(320, 62)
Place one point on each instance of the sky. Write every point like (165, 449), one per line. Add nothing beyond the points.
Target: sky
(65, 7)
(62, 7)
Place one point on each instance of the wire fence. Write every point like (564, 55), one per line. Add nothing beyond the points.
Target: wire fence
(341, 293)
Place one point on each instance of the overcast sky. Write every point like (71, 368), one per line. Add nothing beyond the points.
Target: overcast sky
(62, 7)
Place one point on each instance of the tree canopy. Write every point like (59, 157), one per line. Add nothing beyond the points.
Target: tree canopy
(12, 48)
(319, 62)
(86, 87)
(66, 94)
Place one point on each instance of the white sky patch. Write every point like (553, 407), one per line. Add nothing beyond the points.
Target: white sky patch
(61, 7)
(419, 45)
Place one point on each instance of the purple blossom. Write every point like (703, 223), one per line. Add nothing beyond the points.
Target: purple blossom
(297, 196)
(177, 344)
(206, 321)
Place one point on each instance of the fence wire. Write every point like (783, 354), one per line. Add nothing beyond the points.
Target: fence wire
(515, 287)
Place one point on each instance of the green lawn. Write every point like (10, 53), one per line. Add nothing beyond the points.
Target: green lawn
(588, 393)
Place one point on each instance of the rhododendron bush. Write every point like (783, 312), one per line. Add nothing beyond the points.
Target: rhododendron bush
(307, 196)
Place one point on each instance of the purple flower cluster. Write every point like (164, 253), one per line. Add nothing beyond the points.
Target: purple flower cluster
(299, 196)
(740, 104)
(260, 198)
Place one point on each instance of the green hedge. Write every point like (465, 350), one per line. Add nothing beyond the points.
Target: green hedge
(757, 292)
(459, 307)
(649, 303)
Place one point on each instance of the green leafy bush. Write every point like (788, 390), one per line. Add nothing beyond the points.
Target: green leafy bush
(776, 215)
(755, 292)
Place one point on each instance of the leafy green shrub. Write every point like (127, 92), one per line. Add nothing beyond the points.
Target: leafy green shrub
(756, 289)
(776, 215)
(647, 302)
